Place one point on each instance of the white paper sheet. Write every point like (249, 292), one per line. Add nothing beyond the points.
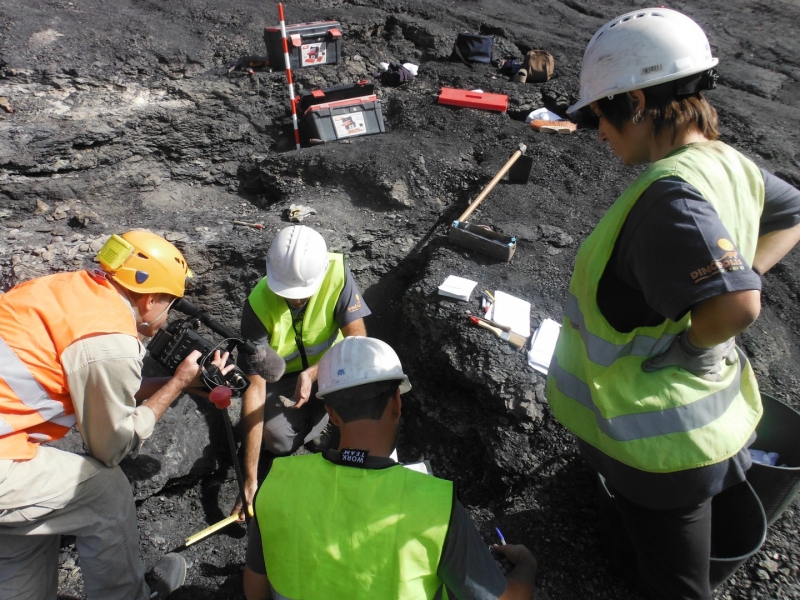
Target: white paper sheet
(423, 466)
(420, 467)
(511, 311)
(543, 345)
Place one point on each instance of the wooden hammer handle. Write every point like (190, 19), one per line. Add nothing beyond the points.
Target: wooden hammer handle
(490, 186)
(209, 530)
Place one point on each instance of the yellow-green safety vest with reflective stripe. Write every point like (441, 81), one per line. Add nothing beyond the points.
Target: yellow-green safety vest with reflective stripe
(669, 420)
(320, 329)
(339, 532)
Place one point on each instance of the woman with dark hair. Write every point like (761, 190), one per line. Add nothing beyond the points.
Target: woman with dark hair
(646, 372)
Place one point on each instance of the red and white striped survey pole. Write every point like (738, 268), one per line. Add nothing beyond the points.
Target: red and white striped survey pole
(289, 76)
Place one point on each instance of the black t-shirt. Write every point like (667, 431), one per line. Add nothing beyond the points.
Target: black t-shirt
(670, 234)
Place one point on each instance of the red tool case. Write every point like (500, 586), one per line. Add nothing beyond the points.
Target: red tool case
(310, 44)
(468, 99)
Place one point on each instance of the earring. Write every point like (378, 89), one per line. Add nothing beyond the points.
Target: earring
(638, 118)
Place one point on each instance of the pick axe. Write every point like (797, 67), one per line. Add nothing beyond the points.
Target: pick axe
(220, 397)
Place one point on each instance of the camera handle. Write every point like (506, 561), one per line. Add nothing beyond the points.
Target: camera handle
(187, 307)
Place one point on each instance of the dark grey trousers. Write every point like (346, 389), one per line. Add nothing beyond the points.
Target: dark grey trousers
(286, 429)
(672, 548)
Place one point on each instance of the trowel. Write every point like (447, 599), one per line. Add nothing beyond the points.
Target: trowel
(481, 237)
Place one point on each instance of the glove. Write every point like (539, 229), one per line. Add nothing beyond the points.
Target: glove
(703, 362)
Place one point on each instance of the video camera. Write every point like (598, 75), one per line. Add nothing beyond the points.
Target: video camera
(171, 345)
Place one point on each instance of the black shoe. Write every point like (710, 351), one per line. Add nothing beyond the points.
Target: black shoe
(167, 576)
(326, 440)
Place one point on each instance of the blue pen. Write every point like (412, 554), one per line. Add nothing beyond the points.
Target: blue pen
(500, 535)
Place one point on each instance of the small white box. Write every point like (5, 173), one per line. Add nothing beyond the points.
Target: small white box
(457, 287)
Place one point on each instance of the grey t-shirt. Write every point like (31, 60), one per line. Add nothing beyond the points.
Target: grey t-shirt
(671, 230)
(349, 307)
(466, 566)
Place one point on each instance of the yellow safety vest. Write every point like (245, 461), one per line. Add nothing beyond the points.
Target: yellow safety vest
(319, 328)
(669, 420)
(335, 532)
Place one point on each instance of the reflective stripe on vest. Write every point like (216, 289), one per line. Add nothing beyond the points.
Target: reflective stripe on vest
(669, 420)
(677, 419)
(368, 533)
(319, 327)
(317, 350)
(27, 389)
(604, 352)
(39, 319)
(66, 421)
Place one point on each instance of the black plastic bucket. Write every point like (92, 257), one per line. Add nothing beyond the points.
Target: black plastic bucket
(738, 529)
(778, 431)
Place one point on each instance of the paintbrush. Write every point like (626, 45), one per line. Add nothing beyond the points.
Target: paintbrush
(515, 339)
(493, 323)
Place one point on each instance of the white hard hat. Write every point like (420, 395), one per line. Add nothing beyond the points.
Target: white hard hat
(357, 361)
(296, 262)
(640, 49)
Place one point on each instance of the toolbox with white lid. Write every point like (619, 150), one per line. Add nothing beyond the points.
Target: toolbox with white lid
(309, 44)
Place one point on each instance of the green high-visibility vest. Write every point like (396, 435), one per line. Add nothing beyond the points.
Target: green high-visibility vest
(669, 420)
(335, 532)
(319, 328)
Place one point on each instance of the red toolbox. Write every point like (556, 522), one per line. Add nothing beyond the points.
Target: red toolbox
(468, 99)
(341, 119)
(310, 44)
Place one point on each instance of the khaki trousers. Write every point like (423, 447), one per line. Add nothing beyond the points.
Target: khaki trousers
(99, 511)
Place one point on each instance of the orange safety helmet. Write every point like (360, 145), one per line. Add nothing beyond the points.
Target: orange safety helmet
(145, 263)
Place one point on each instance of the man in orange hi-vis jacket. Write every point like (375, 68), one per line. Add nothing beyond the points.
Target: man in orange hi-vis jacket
(70, 354)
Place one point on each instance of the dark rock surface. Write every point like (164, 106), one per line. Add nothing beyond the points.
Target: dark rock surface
(125, 116)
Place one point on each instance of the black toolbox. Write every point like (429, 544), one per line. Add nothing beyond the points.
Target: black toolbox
(336, 113)
(310, 44)
(333, 94)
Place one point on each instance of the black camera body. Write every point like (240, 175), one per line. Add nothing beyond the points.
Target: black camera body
(171, 345)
